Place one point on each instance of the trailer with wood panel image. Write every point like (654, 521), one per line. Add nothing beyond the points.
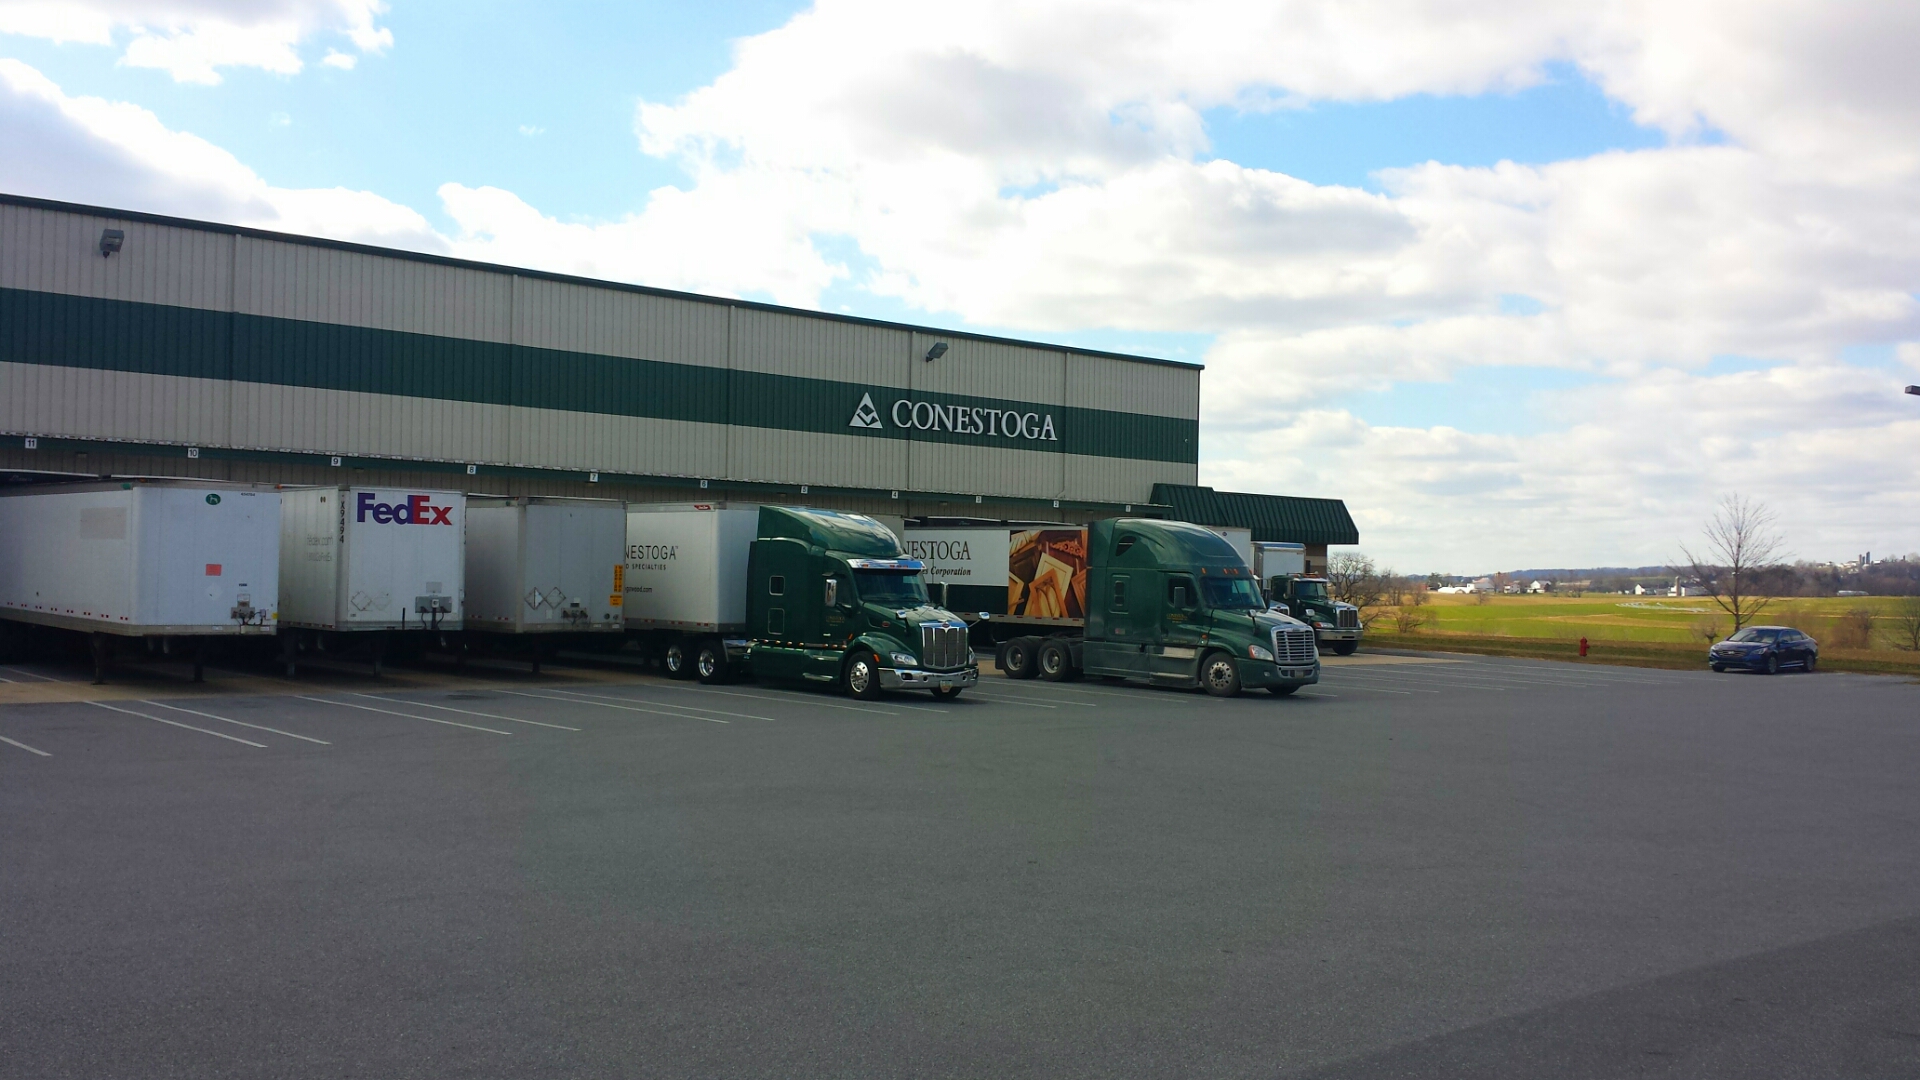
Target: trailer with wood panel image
(1130, 599)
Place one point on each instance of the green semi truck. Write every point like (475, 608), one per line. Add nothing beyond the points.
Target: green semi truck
(1160, 602)
(787, 593)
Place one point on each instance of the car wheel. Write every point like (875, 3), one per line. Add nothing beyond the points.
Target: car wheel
(863, 677)
(1773, 665)
(1282, 691)
(1346, 648)
(674, 660)
(710, 662)
(946, 693)
(1017, 659)
(1811, 661)
(1220, 675)
(1719, 669)
(1056, 661)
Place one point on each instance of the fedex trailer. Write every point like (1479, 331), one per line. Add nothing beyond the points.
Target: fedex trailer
(156, 559)
(360, 564)
(544, 570)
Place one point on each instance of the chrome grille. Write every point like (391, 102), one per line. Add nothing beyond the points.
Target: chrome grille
(1348, 618)
(1293, 645)
(943, 648)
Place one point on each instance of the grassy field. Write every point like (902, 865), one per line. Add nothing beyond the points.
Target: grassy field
(1656, 631)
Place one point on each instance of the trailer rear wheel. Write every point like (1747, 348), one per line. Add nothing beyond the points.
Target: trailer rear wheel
(674, 660)
(1056, 661)
(1017, 659)
(710, 662)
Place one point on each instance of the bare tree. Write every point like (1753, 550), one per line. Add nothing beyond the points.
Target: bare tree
(1353, 579)
(1906, 624)
(1741, 540)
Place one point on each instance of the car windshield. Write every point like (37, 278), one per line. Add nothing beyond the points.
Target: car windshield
(1231, 594)
(890, 589)
(1751, 634)
(1310, 590)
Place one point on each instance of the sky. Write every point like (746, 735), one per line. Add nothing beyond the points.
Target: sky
(1525, 285)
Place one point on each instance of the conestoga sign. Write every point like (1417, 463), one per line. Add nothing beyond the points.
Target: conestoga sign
(987, 421)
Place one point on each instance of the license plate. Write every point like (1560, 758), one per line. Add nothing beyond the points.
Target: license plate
(1298, 673)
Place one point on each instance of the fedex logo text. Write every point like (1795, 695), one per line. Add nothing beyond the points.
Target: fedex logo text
(414, 511)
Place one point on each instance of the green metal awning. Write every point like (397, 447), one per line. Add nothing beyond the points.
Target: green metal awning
(1278, 518)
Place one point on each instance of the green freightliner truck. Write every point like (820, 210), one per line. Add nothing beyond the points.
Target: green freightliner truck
(1163, 602)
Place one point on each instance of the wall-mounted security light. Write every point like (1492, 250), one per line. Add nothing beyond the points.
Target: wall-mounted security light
(939, 350)
(111, 241)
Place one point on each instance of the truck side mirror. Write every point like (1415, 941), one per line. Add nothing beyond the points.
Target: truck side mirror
(833, 592)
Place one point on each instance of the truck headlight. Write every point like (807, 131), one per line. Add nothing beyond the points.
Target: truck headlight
(1257, 652)
(901, 659)
(1321, 625)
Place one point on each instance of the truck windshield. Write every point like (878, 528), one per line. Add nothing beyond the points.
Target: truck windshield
(1310, 590)
(1231, 594)
(890, 589)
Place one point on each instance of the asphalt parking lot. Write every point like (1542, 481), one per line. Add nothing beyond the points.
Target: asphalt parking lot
(1469, 867)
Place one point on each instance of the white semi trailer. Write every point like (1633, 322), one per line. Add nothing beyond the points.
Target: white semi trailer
(360, 564)
(686, 581)
(544, 570)
(177, 563)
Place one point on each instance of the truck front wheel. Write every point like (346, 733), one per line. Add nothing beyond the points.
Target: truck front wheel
(1220, 675)
(1345, 648)
(863, 677)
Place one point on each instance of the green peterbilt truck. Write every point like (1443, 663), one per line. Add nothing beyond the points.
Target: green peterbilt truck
(774, 592)
(1163, 602)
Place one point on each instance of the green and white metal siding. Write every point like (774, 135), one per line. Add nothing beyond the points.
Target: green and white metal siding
(204, 335)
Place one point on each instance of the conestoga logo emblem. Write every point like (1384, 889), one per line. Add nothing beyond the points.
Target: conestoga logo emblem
(959, 419)
(866, 416)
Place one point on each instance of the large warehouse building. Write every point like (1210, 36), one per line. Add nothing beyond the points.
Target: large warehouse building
(132, 344)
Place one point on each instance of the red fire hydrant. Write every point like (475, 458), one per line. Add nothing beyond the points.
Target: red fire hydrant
(1583, 646)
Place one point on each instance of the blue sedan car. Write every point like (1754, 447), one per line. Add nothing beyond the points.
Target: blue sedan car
(1765, 648)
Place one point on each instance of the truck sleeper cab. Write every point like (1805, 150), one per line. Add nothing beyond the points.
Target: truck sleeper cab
(832, 599)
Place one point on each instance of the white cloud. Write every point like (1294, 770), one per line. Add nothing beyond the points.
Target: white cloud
(84, 149)
(531, 130)
(192, 40)
(1040, 166)
(337, 59)
(1044, 167)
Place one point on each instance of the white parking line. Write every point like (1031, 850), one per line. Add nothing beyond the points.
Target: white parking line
(466, 712)
(610, 705)
(797, 698)
(664, 705)
(178, 724)
(240, 723)
(22, 745)
(1015, 701)
(409, 716)
(1377, 690)
(32, 674)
